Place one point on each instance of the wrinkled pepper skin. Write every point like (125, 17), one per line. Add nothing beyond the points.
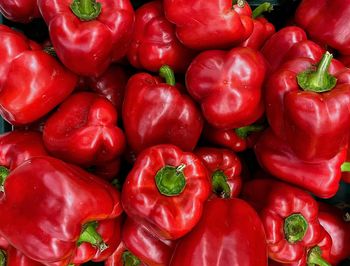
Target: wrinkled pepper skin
(205, 25)
(319, 177)
(145, 246)
(289, 216)
(221, 238)
(304, 108)
(166, 190)
(89, 47)
(154, 42)
(84, 130)
(224, 168)
(326, 22)
(228, 86)
(155, 112)
(44, 82)
(41, 221)
(19, 11)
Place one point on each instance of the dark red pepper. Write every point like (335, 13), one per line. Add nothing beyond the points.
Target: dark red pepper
(22, 11)
(122, 257)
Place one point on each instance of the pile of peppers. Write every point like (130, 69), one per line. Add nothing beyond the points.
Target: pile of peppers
(174, 133)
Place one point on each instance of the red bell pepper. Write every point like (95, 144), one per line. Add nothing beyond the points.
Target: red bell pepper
(154, 42)
(320, 177)
(229, 233)
(228, 86)
(166, 190)
(20, 11)
(84, 130)
(44, 82)
(88, 35)
(108, 170)
(157, 113)
(145, 246)
(123, 257)
(289, 216)
(306, 106)
(14, 257)
(203, 25)
(224, 168)
(52, 206)
(326, 22)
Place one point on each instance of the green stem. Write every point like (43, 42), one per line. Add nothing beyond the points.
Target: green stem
(4, 172)
(170, 180)
(86, 10)
(259, 10)
(168, 74)
(319, 80)
(90, 235)
(345, 167)
(130, 259)
(220, 185)
(2, 258)
(315, 258)
(244, 132)
(295, 227)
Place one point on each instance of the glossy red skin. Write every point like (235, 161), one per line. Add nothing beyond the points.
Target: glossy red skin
(305, 119)
(320, 177)
(204, 25)
(20, 11)
(4, 244)
(19, 146)
(228, 86)
(84, 130)
(116, 259)
(262, 30)
(226, 161)
(14, 257)
(154, 42)
(288, 43)
(221, 238)
(89, 47)
(326, 22)
(145, 246)
(274, 202)
(333, 222)
(44, 82)
(157, 113)
(168, 217)
(37, 190)
(110, 232)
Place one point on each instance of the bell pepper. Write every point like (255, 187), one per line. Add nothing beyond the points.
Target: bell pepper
(204, 25)
(144, 246)
(88, 35)
(122, 257)
(51, 207)
(326, 22)
(44, 82)
(224, 168)
(154, 42)
(155, 113)
(320, 177)
(22, 11)
(84, 130)
(228, 86)
(306, 105)
(289, 216)
(230, 232)
(166, 190)
(262, 28)
(14, 257)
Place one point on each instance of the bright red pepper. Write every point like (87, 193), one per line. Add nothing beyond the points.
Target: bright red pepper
(210, 24)
(14, 257)
(157, 113)
(88, 35)
(308, 108)
(20, 11)
(166, 190)
(84, 130)
(326, 21)
(50, 206)
(229, 233)
(122, 257)
(154, 42)
(289, 216)
(228, 85)
(224, 168)
(320, 177)
(44, 82)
